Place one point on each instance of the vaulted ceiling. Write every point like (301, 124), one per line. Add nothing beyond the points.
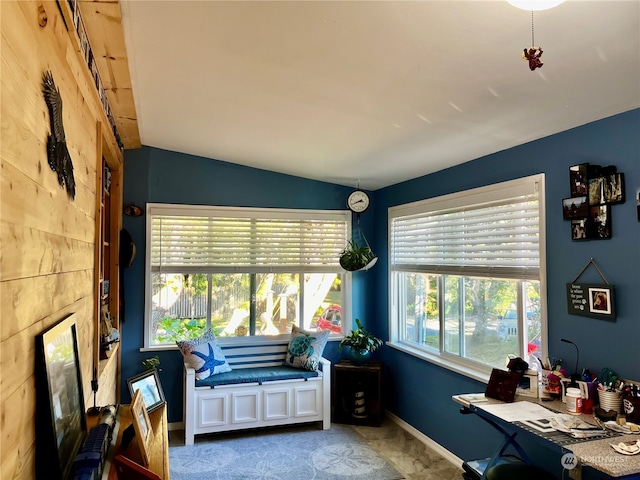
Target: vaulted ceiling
(360, 92)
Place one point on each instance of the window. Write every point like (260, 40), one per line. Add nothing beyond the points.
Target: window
(243, 271)
(467, 276)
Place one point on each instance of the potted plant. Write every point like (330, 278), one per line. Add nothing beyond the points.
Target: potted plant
(356, 257)
(360, 344)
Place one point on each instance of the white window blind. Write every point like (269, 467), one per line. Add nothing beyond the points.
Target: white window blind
(489, 232)
(186, 239)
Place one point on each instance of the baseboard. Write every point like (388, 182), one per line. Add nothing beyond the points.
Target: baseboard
(432, 444)
(176, 426)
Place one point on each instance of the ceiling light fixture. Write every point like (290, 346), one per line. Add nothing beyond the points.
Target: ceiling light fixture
(535, 4)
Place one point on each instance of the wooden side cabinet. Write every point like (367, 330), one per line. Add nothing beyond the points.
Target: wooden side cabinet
(357, 393)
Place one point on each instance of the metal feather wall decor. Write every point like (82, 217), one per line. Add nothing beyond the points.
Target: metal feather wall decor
(57, 152)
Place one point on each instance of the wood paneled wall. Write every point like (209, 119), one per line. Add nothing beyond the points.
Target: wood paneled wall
(47, 241)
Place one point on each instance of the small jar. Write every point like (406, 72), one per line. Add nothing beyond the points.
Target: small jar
(574, 401)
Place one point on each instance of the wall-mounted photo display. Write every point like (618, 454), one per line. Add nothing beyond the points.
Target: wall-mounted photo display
(599, 225)
(593, 189)
(575, 207)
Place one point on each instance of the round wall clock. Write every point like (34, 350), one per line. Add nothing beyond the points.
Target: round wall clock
(358, 201)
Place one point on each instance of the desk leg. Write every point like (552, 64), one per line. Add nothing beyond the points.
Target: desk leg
(509, 440)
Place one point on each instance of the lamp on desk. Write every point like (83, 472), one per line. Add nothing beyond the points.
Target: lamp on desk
(575, 376)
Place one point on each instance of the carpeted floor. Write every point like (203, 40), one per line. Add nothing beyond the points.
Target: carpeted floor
(293, 453)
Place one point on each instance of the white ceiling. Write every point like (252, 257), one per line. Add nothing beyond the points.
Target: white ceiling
(372, 92)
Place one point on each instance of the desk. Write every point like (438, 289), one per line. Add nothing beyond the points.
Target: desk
(595, 453)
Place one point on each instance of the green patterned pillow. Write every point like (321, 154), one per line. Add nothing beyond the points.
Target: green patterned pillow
(204, 355)
(305, 348)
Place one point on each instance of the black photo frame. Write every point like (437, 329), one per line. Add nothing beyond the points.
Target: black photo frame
(575, 207)
(60, 409)
(578, 179)
(579, 228)
(599, 224)
(148, 382)
(613, 187)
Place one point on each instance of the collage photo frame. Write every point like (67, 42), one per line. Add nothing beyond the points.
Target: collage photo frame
(593, 190)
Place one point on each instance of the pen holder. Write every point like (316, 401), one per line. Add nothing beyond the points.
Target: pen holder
(610, 400)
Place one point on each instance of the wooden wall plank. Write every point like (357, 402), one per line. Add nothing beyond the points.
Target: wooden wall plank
(19, 193)
(17, 457)
(26, 252)
(19, 351)
(27, 300)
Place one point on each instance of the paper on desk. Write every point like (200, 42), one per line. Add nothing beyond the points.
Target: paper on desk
(517, 411)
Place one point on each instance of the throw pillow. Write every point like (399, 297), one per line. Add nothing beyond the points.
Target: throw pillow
(204, 355)
(305, 348)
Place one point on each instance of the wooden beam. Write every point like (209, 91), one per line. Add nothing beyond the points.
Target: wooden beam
(103, 21)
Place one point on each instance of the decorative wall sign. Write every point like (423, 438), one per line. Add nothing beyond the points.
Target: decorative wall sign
(593, 189)
(57, 152)
(591, 299)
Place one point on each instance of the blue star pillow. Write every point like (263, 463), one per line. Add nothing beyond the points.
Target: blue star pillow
(204, 355)
(305, 348)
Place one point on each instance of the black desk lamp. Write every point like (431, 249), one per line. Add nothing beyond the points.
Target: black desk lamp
(574, 376)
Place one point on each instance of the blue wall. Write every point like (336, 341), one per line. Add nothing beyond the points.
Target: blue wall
(420, 392)
(159, 176)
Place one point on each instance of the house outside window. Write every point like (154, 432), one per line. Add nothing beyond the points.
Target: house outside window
(467, 277)
(243, 272)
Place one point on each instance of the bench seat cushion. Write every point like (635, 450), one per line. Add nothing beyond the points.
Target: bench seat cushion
(256, 375)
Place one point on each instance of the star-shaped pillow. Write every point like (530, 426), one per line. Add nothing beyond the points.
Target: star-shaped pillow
(204, 355)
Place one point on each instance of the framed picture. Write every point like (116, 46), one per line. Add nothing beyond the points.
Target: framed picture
(600, 300)
(60, 412)
(141, 427)
(591, 300)
(578, 179)
(575, 207)
(599, 226)
(596, 191)
(613, 186)
(148, 384)
(579, 229)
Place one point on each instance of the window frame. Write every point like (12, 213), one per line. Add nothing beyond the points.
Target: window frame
(470, 368)
(156, 209)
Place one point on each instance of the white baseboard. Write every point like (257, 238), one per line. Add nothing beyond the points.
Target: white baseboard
(432, 444)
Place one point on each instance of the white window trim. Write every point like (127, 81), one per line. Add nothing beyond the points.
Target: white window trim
(463, 366)
(203, 210)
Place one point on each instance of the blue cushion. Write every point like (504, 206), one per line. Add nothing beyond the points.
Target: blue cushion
(255, 375)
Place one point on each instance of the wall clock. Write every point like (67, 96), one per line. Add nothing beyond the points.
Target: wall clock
(358, 201)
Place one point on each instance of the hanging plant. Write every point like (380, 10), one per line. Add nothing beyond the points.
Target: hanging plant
(357, 257)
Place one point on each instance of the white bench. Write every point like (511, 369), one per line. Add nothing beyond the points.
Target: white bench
(264, 400)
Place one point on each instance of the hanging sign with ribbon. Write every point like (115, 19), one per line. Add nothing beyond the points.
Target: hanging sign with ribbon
(591, 299)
